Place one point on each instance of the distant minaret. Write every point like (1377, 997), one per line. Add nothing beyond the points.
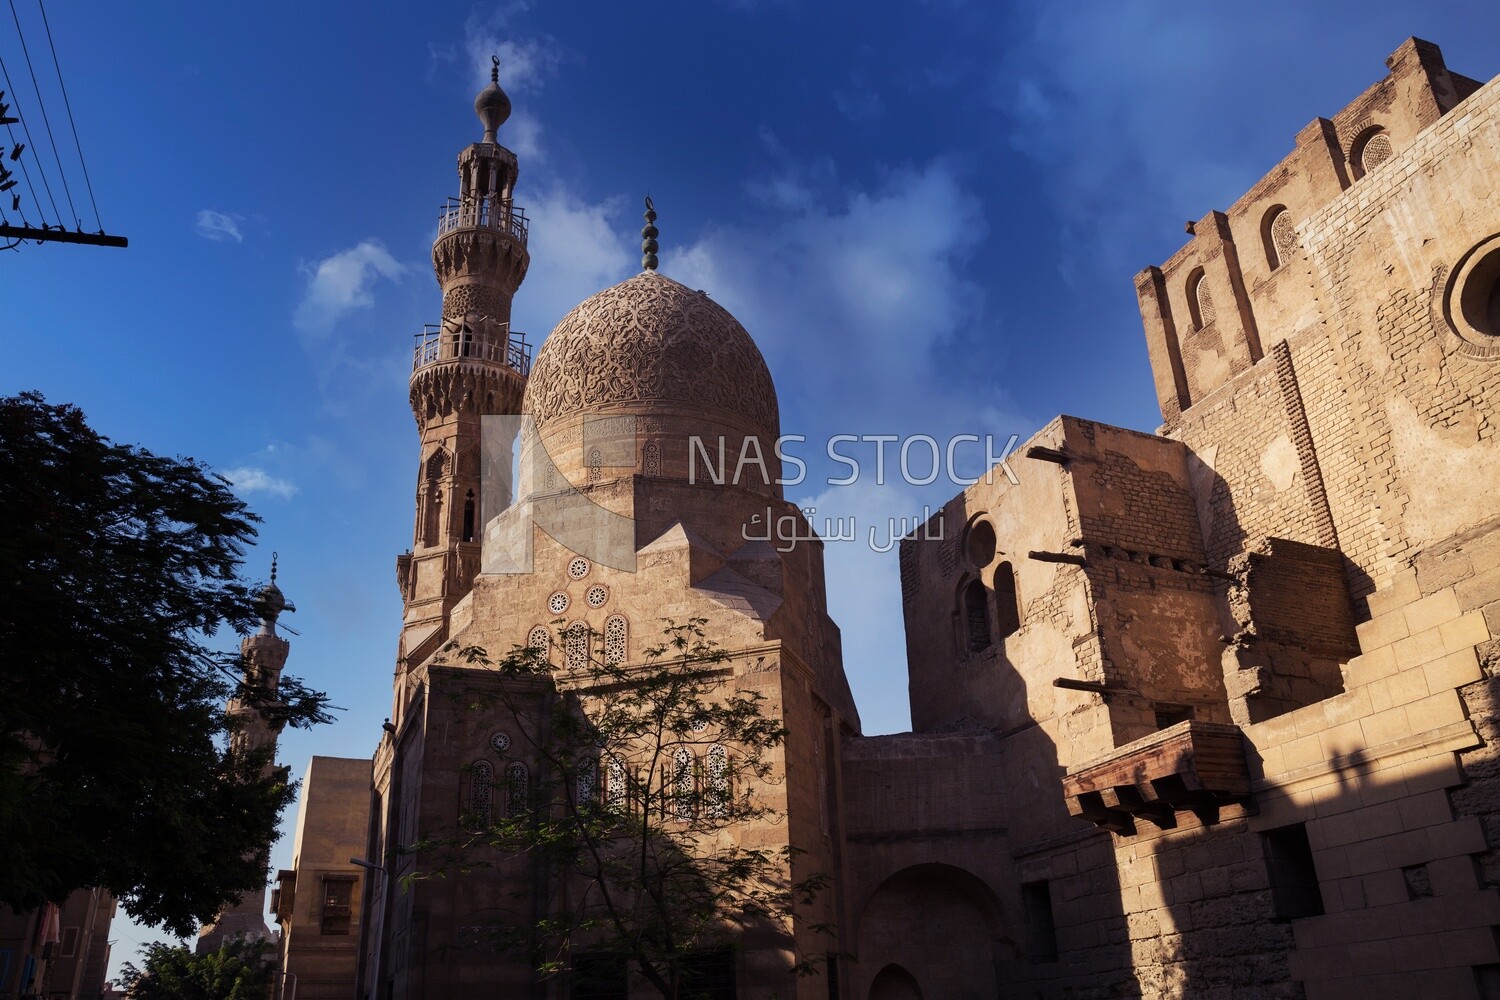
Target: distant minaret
(264, 656)
(470, 366)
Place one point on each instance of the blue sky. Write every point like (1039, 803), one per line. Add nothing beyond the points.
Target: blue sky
(928, 215)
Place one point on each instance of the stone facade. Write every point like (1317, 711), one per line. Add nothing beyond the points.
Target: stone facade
(317, 901)
(1255, 647)
(58, 951)
(1207, 712)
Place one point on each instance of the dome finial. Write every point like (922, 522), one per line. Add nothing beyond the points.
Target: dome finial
(492, 106)
(649, 233)
(271, 602)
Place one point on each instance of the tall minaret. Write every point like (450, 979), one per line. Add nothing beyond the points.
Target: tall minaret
(263, 655)
(470, 366)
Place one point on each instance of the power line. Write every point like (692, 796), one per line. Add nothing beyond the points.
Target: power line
(46, 121)
(69, 106)
(26, 129)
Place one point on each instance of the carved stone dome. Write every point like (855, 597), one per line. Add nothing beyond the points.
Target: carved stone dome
(651, 340)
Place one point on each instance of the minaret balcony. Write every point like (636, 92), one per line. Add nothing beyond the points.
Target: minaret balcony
(473, 338)
(496, 214)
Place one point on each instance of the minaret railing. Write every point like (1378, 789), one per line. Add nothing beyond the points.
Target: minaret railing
(484, 213)
(486, 340)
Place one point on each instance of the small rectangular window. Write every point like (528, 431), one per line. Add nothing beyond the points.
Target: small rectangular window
(1037, 897)
(4, 969)
(69, 942)
(1170, 715)
(600, 977)
(709, 975)
(338, 900)
(1294, 878)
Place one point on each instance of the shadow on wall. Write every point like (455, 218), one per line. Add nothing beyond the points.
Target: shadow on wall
(1362, 877)
(981, 883)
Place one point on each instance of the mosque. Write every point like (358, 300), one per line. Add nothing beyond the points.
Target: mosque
(1204, 712)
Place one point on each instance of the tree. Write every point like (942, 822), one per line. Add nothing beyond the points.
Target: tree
(118, 567)
(643, 778)
(241, 970)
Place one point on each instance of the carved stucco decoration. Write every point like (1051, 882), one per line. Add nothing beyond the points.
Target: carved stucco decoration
(651, 339)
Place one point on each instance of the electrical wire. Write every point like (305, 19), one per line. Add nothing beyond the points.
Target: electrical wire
(71, 124)
(46, 121)
(10, 89)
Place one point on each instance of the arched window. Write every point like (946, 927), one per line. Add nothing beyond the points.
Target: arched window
(682, 783)
(616, 786)
(469, 517)
(716, 792)
(976, 616)
(517, 788)
(1370, 149)
(616, 633)
(540, 639)
(587, 778)
(1279, 235)
(433, 472)
(1200, 306)
(1007, 605)
(576, 646)
(432, 520)
(481, 789)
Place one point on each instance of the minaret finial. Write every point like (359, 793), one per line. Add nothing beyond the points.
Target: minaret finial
(492, 106)
(273, 567)
(649, 233)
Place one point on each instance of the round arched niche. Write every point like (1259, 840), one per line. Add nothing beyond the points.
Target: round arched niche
(1471, 300)
(895, 983)
(931, 924)
(980, 543)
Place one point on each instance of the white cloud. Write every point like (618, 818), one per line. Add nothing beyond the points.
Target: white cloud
(857, 102)
(341, 283)
(862, 301)
(576, 249)
(249, 479)
(218, 227)
(856, 293)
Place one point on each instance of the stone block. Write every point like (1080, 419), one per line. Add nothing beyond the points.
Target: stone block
(1418, 648)
(1371, 666)
(1480, 590)
(1451, 875)
(1435, 711)
(1464, 633)
(1440, 771)
(1470, 946)
(1400, 591)
(1302, 752)
(1453, 670)
(1462, 836)
(1431, 611)
(1426, 809)
(1385, 887)
(1382, 630)
(1341, 739)
(1384, 727)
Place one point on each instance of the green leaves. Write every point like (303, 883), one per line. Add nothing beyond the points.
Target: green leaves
(651, 791)
(119, 589)
(241, 970)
